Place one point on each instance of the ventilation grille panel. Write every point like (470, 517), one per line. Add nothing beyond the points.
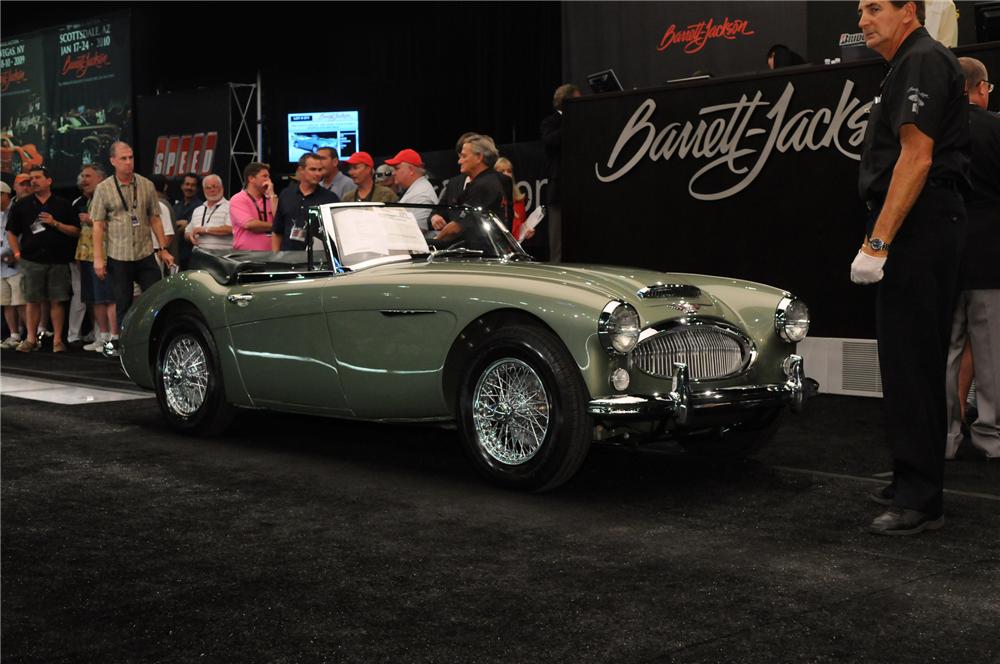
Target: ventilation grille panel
(860, 369)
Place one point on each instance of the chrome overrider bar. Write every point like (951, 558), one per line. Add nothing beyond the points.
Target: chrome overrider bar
(681, 403)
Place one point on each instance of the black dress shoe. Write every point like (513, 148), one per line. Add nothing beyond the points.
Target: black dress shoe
(882, 495)
(901, 521)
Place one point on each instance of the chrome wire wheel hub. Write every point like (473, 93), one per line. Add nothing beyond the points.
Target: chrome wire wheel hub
(185, 375)
(510, 410)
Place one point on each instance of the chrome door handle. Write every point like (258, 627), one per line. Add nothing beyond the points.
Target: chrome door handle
(240, 300)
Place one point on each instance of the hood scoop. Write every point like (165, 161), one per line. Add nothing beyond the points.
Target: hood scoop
(662, 291)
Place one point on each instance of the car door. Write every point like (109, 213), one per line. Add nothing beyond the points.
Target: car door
(282, 344)
(391, 339)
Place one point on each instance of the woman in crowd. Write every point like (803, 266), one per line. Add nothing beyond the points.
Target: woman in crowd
(504, 166)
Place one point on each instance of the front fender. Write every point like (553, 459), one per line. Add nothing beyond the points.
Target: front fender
(195, 291)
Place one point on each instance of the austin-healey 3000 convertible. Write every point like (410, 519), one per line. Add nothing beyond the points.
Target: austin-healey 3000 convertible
(532, 361)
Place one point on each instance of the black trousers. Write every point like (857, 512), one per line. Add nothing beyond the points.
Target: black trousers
(122, 274)
(914, 310)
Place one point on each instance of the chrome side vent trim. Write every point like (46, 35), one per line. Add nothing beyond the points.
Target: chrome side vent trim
(657, 291)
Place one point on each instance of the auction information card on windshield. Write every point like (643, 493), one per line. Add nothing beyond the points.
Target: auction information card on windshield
(377, 231)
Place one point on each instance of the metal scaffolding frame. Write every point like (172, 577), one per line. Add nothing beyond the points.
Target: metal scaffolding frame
(244, 130)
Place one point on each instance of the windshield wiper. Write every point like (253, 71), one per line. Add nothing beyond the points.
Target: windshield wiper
(515, 256)
(457, 251)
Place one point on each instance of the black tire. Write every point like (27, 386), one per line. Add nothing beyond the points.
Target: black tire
(568, 429)
(211, 414)
(737, 442)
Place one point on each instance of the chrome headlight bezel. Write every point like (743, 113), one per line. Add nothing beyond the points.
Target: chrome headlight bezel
(618, 327)
(791, 320)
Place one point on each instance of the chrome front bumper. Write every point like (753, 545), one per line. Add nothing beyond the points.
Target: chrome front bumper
(682, 403)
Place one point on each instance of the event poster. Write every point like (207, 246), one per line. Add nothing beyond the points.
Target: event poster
(66, 96)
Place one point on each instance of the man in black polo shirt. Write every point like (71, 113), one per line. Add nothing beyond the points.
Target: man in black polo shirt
(43, 231)
(289, 230)
(977, 316)
(487, 189)
(181, 215)
(914, 162)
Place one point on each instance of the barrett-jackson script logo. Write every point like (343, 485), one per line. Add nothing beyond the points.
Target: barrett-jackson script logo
(10, 76)
(696, 35)
(84, 62)
(729, 140)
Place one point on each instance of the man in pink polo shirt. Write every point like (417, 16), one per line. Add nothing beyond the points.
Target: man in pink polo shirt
(251, 212)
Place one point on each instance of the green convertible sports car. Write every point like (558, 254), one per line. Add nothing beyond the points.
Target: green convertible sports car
(533, 361)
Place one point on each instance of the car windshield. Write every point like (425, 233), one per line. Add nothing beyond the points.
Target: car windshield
(362, 234)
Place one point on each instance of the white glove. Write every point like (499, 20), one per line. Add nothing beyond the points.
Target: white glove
(867, 269)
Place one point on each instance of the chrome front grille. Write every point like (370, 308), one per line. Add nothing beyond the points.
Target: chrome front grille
(709, 352)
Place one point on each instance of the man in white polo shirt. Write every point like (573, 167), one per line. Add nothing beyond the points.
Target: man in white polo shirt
(209, 227)
(411, 177)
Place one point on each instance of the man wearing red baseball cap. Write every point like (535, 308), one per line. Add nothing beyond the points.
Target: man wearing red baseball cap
(411, 177)
(361, 170)
(22, 186)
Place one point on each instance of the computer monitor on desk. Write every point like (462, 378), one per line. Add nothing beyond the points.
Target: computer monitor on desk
(852, 48)
(604, 81)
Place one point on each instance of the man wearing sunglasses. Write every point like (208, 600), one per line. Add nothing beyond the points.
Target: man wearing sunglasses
(976, 327)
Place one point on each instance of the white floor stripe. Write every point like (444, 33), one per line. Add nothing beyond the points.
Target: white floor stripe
(63, 393)
(869, 480)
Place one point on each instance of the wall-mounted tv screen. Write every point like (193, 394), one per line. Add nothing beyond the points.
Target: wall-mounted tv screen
(308, 132)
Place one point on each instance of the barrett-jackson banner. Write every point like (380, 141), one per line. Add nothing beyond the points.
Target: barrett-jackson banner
(185, 132)
(650, 43)
(66, 96)
(748, 177)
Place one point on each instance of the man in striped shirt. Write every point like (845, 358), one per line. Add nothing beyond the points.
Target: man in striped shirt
(126, 209)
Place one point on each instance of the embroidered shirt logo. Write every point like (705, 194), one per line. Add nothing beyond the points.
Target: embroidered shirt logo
(917, 97)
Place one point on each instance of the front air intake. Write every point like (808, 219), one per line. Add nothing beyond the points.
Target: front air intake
(658, 291)
(710, 352)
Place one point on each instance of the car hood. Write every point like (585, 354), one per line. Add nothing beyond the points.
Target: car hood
(599, 283)
(612, 281)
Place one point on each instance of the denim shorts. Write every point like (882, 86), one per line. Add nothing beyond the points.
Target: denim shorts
(94, 290)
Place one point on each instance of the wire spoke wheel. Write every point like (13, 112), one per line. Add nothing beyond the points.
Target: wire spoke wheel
(511, 410)
(185, 375)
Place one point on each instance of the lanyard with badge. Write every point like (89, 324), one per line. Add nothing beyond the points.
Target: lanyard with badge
(204, 210)
(261, 214)
(38, 225)
(298, 233)
(135, 200)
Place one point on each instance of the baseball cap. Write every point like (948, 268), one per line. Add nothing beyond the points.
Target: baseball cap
(407, 155)
(4, 188)
(20, 177)
(362, 158)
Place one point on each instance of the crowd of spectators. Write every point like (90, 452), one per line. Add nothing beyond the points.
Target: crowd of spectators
(122, 234)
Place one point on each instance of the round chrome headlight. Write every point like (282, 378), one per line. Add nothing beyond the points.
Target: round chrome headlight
(791, 320)
(618, 327)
